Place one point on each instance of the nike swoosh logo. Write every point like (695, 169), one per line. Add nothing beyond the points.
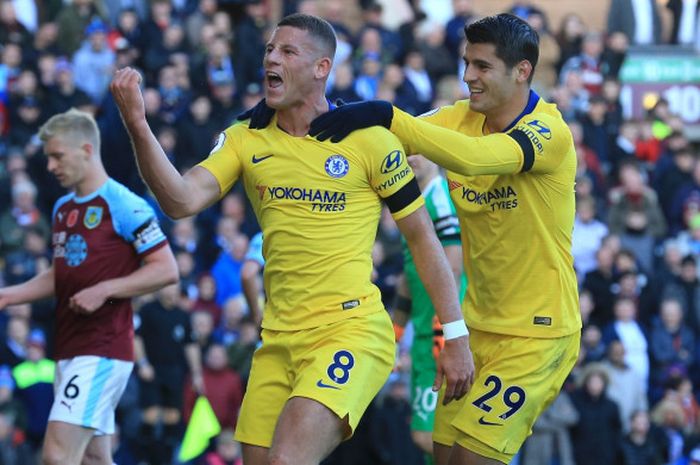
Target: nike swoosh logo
(488, 423)
(321, 384)
(259, 159)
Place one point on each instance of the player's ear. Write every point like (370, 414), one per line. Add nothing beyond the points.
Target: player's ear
(323, 67)
(88, 148)
(523, 70)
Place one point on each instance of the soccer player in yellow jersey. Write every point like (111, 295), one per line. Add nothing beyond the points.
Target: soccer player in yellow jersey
(327, 341)
(511, 167)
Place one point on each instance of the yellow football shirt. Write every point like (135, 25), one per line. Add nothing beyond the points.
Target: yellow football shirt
(318, 205)
(516, 216)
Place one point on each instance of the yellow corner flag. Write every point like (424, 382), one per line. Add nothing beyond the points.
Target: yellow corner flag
(202, 426)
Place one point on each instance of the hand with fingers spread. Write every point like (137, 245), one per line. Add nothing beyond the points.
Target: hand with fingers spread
(456, 365)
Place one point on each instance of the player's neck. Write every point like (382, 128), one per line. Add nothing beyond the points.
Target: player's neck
(296, 120)
(92, 181)
(501, 117)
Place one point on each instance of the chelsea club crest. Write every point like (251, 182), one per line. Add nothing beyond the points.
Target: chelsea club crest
(337, 166)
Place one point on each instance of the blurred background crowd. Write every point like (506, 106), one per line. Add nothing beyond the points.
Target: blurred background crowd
(632, 399)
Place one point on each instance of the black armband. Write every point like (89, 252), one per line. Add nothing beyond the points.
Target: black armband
(403, 197)
(526, 145)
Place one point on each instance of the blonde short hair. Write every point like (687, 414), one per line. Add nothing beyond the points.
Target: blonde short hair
(77, 126)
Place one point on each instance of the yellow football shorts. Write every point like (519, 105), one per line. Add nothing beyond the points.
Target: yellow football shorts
(516, 379)
(342, 365)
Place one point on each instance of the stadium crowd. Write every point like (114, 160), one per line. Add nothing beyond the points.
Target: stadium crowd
(632, 399)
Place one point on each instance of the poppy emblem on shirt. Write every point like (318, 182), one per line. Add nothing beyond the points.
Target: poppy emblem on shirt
(93, 217)
(337, 166)
(72, 218)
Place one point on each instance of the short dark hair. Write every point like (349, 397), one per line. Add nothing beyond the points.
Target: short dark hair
(514, 39)
(317, 27)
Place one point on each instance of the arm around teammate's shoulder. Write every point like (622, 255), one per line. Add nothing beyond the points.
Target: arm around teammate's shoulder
(538, 142)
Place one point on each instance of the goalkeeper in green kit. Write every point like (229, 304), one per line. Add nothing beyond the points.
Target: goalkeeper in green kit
(413, 302)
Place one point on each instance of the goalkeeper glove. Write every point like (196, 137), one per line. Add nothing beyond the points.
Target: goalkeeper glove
(260, 115)
(339, 123)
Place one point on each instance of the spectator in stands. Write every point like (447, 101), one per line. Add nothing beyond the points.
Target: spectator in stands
(9, 405)
(672, 342)
(600, 282)
(94, 62)
(129, 25)
(589, 163)
(417, 77)
(343, 84)
(174, 98)
(66, 94)
(11, 28)
(592, 345)
(570, 37)
(598, 131)
(249, 45)
(227, 451)
(686, 201)
(668, 415)
(596, 435)
(240, 353)
(668, 268)
(648, 147)
(546, 77)
(34, 378)
(202, 329)
(639, 20)
(673, 170)
(368, 75)
(33, 258)
(635, 210)
(13, 349)
(202, 15)
(463, 11)
(685, 287)
(588, 62)
(430, 42)
(633, 284)
(163, 52)
(196, 132)
(13, 450)
(625, 386)
(165, 350)
(626, 329)
(550, 439)
(229, 329)
(639, 447)
(72, 20)
(227, 268)
(587, 236)
(222, 387)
